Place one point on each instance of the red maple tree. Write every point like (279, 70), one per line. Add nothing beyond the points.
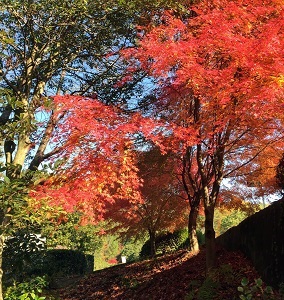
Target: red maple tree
(94, 164)
(163, 207)
(220, 85)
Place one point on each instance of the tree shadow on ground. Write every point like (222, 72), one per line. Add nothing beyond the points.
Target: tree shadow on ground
(170, 277)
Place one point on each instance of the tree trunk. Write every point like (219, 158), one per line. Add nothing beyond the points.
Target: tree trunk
(192, 236)
(22, 150)
(209, 237)
(153, 242)
(2, 241)
(14, 166)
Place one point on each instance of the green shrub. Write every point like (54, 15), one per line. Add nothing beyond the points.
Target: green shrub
(165, 243)
(233, 219)
(200, 237)
(193, 287)
(205, 291)
(29, 290)
(71, 235)
(208, 290)
(146, 250)
(22, 257)
(255, 291)
(131, 249)
(67, 262)
(111, 249)
(48, 262)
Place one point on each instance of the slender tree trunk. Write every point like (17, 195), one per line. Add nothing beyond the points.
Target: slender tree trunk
(2, 241)
(192, 235)
(209, 237)
(152, 234)
(39, 156)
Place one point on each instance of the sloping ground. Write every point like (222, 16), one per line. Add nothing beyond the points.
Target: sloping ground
(170, 277)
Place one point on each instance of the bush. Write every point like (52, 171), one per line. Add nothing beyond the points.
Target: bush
(19, 267)
(22, 257)
(203, 291)
(233, 219)
(255, 291)
(67, 262)
(32, 289)
(200, 237)
(166, 243)
(131, 249)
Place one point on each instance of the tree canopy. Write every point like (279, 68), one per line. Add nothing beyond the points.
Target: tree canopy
(214, 69)
(72, 103)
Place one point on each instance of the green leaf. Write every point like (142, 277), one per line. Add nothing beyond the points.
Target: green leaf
(240, 289)
(269, 290)
(7, 179)
(24, 296)
(258, 282)
(244, 281)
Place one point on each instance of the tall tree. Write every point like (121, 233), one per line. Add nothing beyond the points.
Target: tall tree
(191, 181)
(215, 67)
(48, 48)
(58, 47)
